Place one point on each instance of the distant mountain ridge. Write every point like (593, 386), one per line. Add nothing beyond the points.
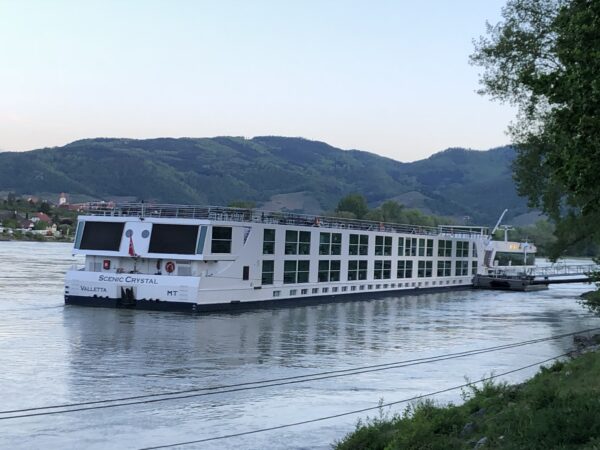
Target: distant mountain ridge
(276, 172)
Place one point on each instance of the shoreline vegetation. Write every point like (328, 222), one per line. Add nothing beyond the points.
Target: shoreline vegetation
(557, 408)
(31, 237)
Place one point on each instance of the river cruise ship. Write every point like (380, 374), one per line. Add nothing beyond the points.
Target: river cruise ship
(187, 258)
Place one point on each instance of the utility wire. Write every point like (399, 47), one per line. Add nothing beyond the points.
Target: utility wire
(200, 392)
(356, 411)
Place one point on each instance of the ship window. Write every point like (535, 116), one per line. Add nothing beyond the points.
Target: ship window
(404, 269)
(444, 248)
(276, 293)
(382, 270)
(444, 268)
(78, 234)
(221, 240)
(425, 247)
(474, 267)
(293, 291)
(462, 268)
(334, 289)
(330, 244)
(344, 288)
(383, 245)
(325, 290)
(357, 270)
(410, 247)
(304, 291)
(474, 250)
(295, 271)
(329, 271)
(425, 269)
(359, 244)
(268, 267)
(102, 236)
(315, 290)
(246, 273)
(268, 241)
(429, 251)
(352, 288)
(400, 246)
(297, 242)
(515, 259)
(180, 239)
(462, 249)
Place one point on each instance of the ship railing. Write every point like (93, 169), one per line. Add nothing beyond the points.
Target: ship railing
(560, 269)
(555, 270)
(229, 214)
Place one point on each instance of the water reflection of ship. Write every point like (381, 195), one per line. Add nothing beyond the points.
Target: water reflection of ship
(158, 340)
(188, 349)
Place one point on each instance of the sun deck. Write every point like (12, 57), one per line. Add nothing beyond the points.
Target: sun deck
(227, 214)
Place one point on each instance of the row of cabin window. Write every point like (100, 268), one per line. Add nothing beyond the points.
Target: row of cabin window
(329, 270)
(362, 287)
(298, 243)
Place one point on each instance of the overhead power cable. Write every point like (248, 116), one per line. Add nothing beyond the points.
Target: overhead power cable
(199, 392)
(356, 411)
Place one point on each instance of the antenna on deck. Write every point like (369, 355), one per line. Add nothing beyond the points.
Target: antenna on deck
(506, 228)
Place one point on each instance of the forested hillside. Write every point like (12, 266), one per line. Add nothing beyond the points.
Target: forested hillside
(292, 173)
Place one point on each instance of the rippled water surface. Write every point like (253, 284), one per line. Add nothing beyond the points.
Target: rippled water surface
(51, 354)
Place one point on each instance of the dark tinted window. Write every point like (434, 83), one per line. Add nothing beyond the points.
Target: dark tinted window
(221, 240)
(102, 236)
(180, 239)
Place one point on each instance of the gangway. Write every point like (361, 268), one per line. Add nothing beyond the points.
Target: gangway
(535, 278)
(561, 270)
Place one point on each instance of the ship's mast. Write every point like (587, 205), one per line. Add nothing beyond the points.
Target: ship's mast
(499, 221)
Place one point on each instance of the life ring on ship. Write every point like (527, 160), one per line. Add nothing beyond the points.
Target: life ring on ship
(170, 266)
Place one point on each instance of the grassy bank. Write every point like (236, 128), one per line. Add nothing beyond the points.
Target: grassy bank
(559, 408)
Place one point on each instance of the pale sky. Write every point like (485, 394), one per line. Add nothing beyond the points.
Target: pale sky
(391, 77)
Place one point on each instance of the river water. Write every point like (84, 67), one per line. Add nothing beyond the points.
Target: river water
(51, 354)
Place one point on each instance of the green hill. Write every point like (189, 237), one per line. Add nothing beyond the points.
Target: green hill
(275, 172)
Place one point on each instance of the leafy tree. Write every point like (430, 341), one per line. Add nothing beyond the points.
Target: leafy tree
(544, 58)
(246, 204)
(45, 207)
(389, 211)
(10, 223)
(355, 204)
(40, 225)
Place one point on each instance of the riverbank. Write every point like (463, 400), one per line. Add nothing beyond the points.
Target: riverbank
(31, 237)
(558, 408)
